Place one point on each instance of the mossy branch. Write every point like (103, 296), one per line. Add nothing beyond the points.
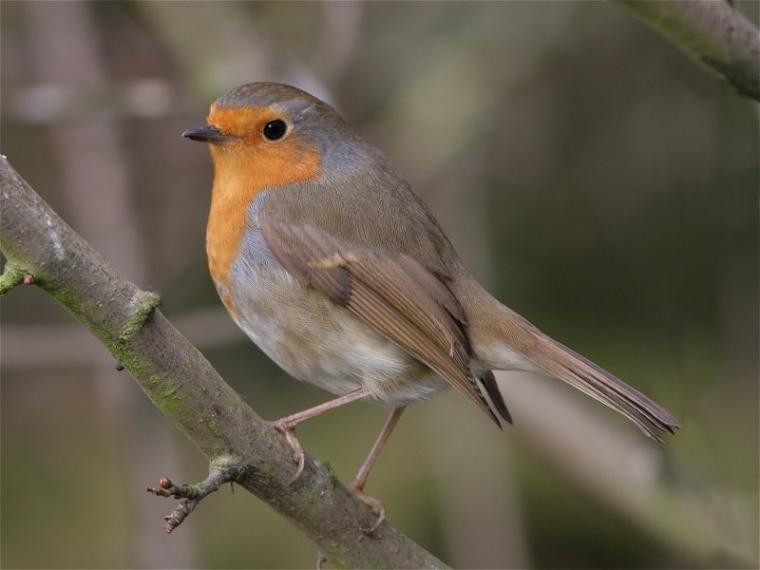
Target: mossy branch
(12, 276)
(710, 31)
(186, 388)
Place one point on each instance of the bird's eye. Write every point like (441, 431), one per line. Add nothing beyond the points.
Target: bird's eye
(275, 130)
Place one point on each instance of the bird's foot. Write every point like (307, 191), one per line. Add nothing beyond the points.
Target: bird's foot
(299, 456)
(377, 507)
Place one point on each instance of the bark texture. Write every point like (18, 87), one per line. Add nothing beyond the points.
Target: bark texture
(185, 387)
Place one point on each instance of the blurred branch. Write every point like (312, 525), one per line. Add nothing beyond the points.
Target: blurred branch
(710, 31)
(339, 38)
(629, 474)
(232, 52)
(52, 103)
(185, 387)
(61, 345)
(91, 156)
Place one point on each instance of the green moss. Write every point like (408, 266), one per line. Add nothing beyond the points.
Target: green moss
(164, 394)
(12, 276)
(146, 304)
(71, 301)
(76, 305)
(136, 366)
(338, 554)
(234, 466)
(213, 426)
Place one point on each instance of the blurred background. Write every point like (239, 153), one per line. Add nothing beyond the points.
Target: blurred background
(599, 182)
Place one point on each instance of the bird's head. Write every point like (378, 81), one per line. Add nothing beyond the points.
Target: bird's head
(275, 133)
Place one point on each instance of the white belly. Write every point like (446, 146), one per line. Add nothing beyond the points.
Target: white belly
(318, 342)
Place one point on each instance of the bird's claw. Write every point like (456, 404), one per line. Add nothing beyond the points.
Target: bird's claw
(299, 456)
(377, 507)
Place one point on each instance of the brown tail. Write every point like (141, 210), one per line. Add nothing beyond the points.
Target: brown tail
(581, 373)
(503, 340)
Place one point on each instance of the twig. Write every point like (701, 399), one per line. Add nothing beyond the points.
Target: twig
(712, 32)
(222, 471)
(187, 389)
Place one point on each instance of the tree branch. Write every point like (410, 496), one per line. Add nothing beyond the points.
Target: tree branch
(187, 389)
(222, 470)
(11, 277)
(710, 31)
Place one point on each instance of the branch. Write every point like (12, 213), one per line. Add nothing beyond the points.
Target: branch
(712, 32)
(631, 476)
(11, 277)
(223, 470)
(187, 389)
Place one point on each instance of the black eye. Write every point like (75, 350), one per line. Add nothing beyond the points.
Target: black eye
(275, 130)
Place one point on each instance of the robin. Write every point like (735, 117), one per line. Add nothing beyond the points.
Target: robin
(325, 257)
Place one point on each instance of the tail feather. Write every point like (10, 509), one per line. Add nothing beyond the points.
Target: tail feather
(503, 340)
(566, 364)
(488, 380)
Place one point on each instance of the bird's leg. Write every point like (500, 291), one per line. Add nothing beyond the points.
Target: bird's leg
(287, 425)
(363, 474)
(361, 477)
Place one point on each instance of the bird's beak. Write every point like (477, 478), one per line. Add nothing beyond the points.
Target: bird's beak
(209, 134)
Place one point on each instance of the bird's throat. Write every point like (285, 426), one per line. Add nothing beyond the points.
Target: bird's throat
(239, 177)
(226, 225)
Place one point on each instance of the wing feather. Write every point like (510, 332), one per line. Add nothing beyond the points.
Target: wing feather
(396, 296)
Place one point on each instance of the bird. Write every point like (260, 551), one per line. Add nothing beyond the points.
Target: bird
(328, 261)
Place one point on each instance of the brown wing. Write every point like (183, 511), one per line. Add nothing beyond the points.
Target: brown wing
(395, 296)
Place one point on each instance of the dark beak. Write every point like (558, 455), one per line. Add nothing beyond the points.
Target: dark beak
(207, 134)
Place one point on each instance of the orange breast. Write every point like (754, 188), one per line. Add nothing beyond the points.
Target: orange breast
(241, 172)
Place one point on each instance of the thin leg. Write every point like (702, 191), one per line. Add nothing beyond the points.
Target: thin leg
(294, 419)
(287, 425)
(361, 477)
